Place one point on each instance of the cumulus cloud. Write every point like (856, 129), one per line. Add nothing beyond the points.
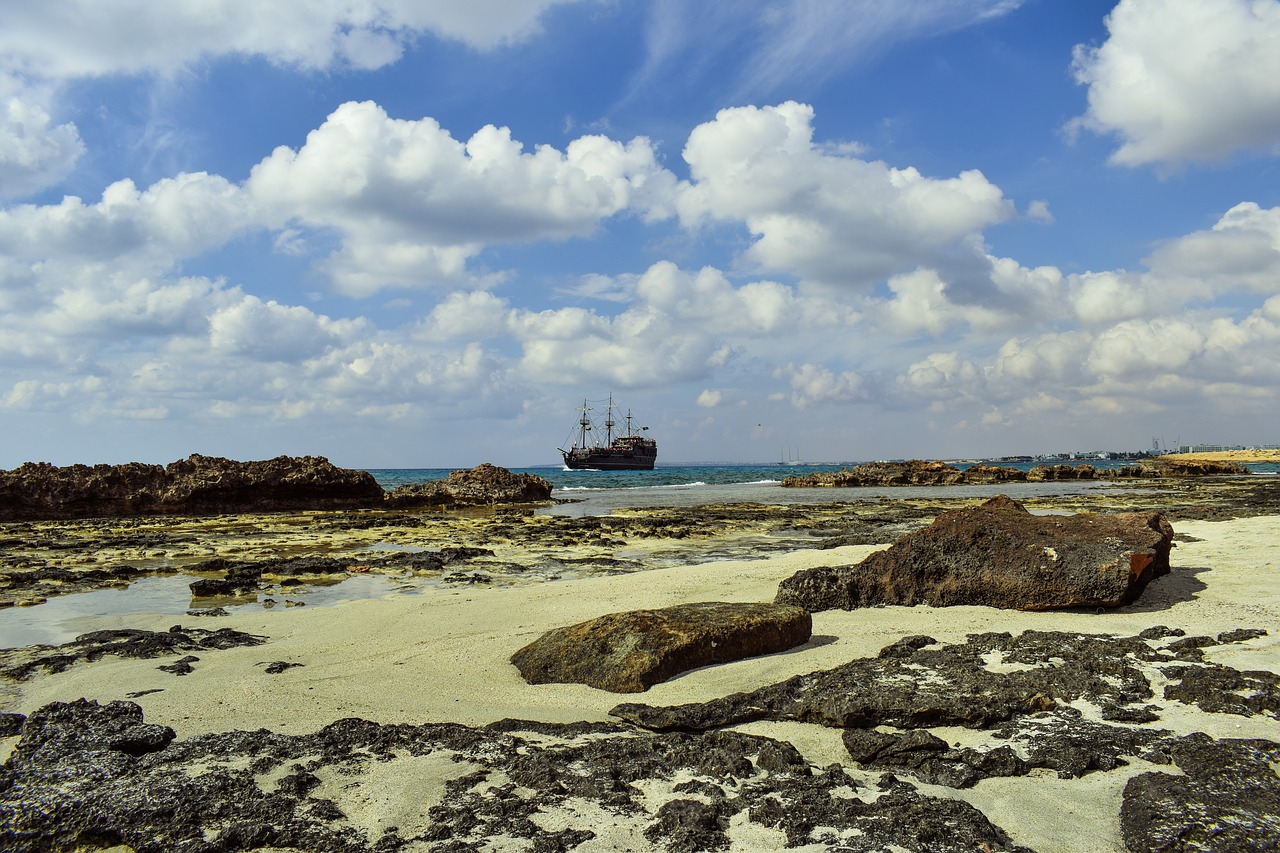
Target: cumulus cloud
(828, 218)
(65, 39)
(34, 152)
(813, 384)
(413, 204)
(1185, 80)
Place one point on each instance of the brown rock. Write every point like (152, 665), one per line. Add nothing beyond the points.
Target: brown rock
(999, 555)
(983, 474)
(1042, 473)
(915, 472)
(484, 485)
(195, 485)
(630, 652)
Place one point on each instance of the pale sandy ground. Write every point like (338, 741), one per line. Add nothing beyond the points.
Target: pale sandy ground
(1269, 455)
(444, 656)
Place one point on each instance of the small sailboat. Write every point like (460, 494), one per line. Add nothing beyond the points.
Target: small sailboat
(628, 452)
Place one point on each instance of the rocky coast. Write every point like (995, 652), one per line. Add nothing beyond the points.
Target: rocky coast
(402, 723)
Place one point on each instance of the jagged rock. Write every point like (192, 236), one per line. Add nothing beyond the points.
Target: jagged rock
(999, 555)
(1163, 467)
(1043, 473)
(85, 776)
(985, 474)
(22, 663)
(630, 652)
(916, 472)
(195, 485)
(1226, 799)
(484, 485)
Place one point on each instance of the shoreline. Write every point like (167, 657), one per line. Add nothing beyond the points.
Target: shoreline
(1260, 456)
(443, 656)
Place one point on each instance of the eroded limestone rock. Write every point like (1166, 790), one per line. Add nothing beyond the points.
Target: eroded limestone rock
(999, 555)
(631, 651)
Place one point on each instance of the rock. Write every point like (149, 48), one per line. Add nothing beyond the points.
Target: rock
(915, 683)
(1043, 473)
(999, 555)
(1161, 467)
(1226, 798)
(20, 664)
(630, 652)
(484, 485)
(986, 474)
(913, 473)
(74, 783)
(195, 485)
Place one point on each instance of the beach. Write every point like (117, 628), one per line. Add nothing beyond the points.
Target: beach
(443, 655)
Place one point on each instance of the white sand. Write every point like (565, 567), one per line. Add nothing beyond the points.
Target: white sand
(444, 656)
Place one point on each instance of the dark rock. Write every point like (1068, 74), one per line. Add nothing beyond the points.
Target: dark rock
(630, 652)
(20, 664)
(935, 686)
(1043, 473)
(999, 555)
(182, 666)
(195, 485)
(484, 485)
(1226, 800)
(10, 723)
(913, 473)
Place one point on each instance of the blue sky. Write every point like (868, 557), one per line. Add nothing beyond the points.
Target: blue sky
(420, 234)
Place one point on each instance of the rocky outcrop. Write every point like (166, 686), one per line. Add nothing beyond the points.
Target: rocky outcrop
(89, 776)
(999, 555)
(913, 473)
(195, 485)
(1226, 796)
(630, 652)
(1045, 473)
(484, 485)
(920, 473)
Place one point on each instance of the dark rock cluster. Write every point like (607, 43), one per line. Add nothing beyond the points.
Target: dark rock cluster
(999, 555)
(195, 485)
(204, 485)
(20, 664)
(87, 776)
(630, 652)
(483, 485)
(917, 472)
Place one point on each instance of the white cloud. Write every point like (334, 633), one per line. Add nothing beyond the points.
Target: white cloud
(34, 152)
(65, 39)
(413, 205)
(709, 398)
(1185, 80)
(813, 384)
(829, 219)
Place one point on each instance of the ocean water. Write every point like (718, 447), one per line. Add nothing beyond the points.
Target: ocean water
(585, 493)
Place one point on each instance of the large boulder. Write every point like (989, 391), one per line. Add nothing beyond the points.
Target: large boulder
(195, 485)
(999, 555)
(630, 652)
(484, 485)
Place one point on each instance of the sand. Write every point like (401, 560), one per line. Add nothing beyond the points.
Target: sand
(444, 656)
(1256, 455)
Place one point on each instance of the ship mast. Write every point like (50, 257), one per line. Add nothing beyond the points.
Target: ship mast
(608, 423)
(584, 424)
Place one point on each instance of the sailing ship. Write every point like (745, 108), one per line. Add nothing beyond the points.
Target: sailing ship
(627, 452)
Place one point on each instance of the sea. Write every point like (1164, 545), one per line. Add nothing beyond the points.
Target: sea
(586, 493)
(575, 493)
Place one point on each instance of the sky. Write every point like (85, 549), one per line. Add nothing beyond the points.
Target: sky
(417, 233)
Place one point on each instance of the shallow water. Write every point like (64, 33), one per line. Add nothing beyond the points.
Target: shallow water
(65, 617)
